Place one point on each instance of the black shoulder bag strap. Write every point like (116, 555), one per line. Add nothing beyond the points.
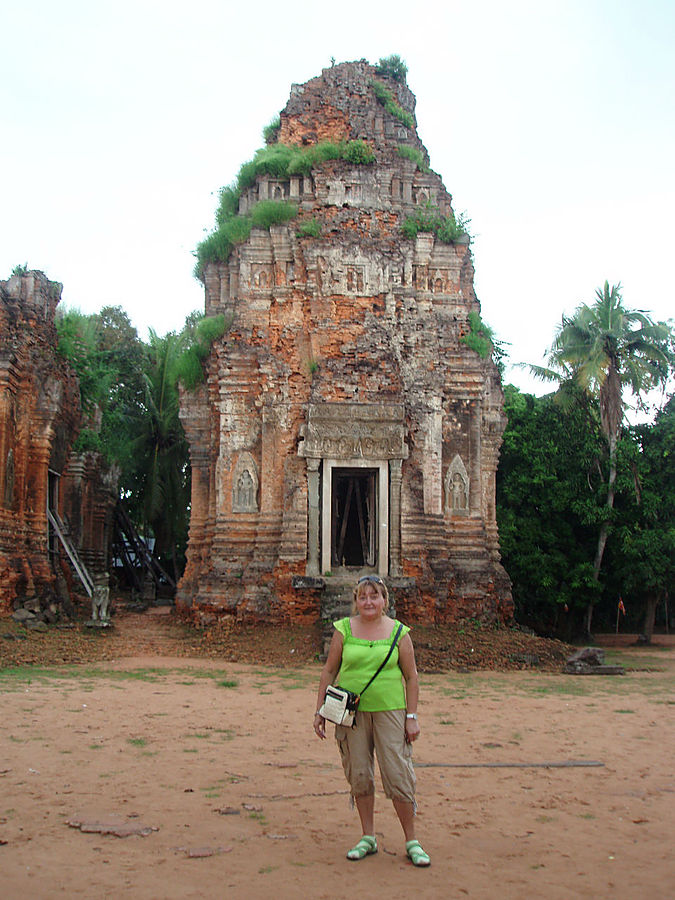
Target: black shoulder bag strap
(385, 660)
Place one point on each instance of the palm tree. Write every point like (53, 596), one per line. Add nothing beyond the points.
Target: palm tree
(602, 349)
(160, 496)
(163, 449)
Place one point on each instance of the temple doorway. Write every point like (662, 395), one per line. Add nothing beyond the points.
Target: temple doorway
(354, 517)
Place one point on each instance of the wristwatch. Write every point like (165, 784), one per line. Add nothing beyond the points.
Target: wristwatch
(411, 715)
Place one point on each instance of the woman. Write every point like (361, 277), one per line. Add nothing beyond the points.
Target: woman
(386, 721)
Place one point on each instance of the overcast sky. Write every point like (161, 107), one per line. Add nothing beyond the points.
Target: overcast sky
(551, 124)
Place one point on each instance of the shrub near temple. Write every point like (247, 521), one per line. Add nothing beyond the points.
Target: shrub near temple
(448, 229)
(392, 67)
(277, 161)
(413, 154)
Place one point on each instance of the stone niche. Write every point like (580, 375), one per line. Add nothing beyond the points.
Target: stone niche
(344, 428)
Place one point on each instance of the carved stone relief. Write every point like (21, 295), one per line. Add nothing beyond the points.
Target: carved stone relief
(457, 488)
(354, 431)
(345, 193)
(261, 276)
(245, 484)
(359, 275)
(355, 279)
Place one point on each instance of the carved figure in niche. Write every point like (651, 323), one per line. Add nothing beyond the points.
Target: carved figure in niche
(278, 193)
(261, 277)
(459, 497)
(457, 488)
(323, 273)
(245, 496)
(245, 485)
(9, 479)
(355, 281)
(353, 193)
(439, 279)
(421, 276)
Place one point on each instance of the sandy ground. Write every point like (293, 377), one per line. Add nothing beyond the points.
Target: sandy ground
(219, 765)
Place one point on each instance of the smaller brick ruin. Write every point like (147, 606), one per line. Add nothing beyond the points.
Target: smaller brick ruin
(40, 417)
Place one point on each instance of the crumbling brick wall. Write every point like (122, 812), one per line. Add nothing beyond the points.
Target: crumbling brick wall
(40, 417)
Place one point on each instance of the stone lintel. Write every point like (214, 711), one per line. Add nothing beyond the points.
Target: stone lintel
(354, 431)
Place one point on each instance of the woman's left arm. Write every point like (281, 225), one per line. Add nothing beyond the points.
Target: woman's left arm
(406, 662)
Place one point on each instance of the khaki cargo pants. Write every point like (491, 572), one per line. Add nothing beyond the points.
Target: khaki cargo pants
(382, 733)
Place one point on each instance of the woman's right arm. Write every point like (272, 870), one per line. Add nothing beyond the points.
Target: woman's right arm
(328, 675)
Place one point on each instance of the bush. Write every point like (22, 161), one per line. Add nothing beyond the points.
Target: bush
(274, 160)
(428, 218)
(359, 153)
(309, 229)
(272, 212)
(190, 363)
(278, 161)
(229, 204)
(412, 153)
(386, 98)
(219, 244)
(271, 131)
(479, 337)
(392, 67)
(236, 229)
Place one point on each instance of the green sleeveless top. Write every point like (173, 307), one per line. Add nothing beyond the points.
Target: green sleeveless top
(361, 659)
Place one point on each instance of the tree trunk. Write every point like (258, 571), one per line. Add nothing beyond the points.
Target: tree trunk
(650, 614)
(612, 440)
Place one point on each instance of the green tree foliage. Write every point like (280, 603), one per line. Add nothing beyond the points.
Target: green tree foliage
(161, 448)
(604, 349)
(392, 67)
(642, 556)
(549, 501)
(105, 351)
(130, 393)
(199, 334)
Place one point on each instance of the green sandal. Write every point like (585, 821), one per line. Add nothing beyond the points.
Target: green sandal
(365, 847)
(417, 855)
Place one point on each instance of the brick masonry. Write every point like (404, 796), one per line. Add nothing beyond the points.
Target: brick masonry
(40, 417)
(342, 387)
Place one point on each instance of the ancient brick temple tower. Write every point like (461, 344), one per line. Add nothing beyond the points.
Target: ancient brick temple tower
(40, 417)
(344, 428)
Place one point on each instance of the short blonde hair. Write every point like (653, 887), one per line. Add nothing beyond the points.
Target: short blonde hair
(379, 586)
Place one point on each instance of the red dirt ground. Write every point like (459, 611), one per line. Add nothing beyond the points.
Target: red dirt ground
(200, 749)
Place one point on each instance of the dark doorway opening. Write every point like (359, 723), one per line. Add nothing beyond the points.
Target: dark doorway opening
(353, 521)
